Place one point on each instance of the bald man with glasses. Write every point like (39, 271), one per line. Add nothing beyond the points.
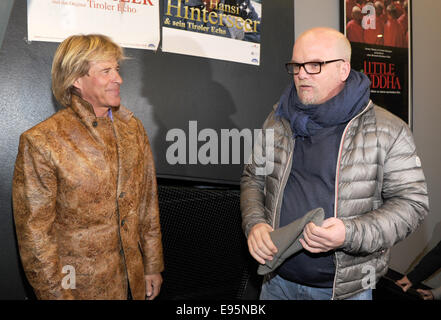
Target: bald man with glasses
(333, 149)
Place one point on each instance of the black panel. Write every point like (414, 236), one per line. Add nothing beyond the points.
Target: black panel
(205, 251)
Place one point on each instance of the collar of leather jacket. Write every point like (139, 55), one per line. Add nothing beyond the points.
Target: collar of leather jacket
(85, 112)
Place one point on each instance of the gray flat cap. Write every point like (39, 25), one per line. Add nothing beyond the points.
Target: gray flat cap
(286, 239)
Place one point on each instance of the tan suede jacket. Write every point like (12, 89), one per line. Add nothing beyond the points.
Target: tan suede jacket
(85, 205)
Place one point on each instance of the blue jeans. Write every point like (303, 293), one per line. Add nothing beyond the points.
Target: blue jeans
(280, 289)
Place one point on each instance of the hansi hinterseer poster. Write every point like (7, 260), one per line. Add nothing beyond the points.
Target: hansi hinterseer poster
(219, 29)
(379, 32)
(130, 23)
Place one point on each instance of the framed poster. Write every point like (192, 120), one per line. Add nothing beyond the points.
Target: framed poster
(380, 36)
(219, 29)
(132, 24)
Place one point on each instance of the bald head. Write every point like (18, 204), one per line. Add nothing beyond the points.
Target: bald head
(332, 51)
(333, 42)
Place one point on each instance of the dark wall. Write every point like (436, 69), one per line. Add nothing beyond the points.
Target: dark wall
(164, 90)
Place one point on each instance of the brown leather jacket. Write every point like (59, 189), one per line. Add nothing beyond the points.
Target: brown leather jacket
(85, 196)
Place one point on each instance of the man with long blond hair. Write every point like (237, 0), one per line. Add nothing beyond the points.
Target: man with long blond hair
(84, 187)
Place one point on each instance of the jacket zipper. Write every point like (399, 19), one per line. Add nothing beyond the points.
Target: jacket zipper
(337, 170)
(282, 186)
(117, 206)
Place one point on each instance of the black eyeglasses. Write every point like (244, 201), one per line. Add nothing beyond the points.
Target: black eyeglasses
(312, 67)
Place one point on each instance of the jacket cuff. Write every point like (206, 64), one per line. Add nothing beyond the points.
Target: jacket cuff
(349, 233)
(153, 267)
(251, 225)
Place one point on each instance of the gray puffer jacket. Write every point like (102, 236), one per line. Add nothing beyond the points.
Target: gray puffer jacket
(380, 192)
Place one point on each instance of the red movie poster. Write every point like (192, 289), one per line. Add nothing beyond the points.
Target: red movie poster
(379, 32)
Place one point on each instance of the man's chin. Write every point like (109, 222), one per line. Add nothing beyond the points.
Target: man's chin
(307, 101)
(114, 104)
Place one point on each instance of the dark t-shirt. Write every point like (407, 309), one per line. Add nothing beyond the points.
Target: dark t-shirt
(311, 184)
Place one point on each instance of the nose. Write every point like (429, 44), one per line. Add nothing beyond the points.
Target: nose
(117, 78)
(302, 73)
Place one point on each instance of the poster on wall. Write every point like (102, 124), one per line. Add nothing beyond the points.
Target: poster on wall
(130, 23)
(219, 29)
(379, 32)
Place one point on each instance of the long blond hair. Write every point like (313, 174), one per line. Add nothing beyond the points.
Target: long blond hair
(72, 61)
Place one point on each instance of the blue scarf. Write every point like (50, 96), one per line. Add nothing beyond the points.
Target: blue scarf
(307, 120)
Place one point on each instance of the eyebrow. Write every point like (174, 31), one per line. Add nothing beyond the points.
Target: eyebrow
(108, 68)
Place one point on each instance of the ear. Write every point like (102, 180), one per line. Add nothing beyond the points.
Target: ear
(345, 70)
(78, 84)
